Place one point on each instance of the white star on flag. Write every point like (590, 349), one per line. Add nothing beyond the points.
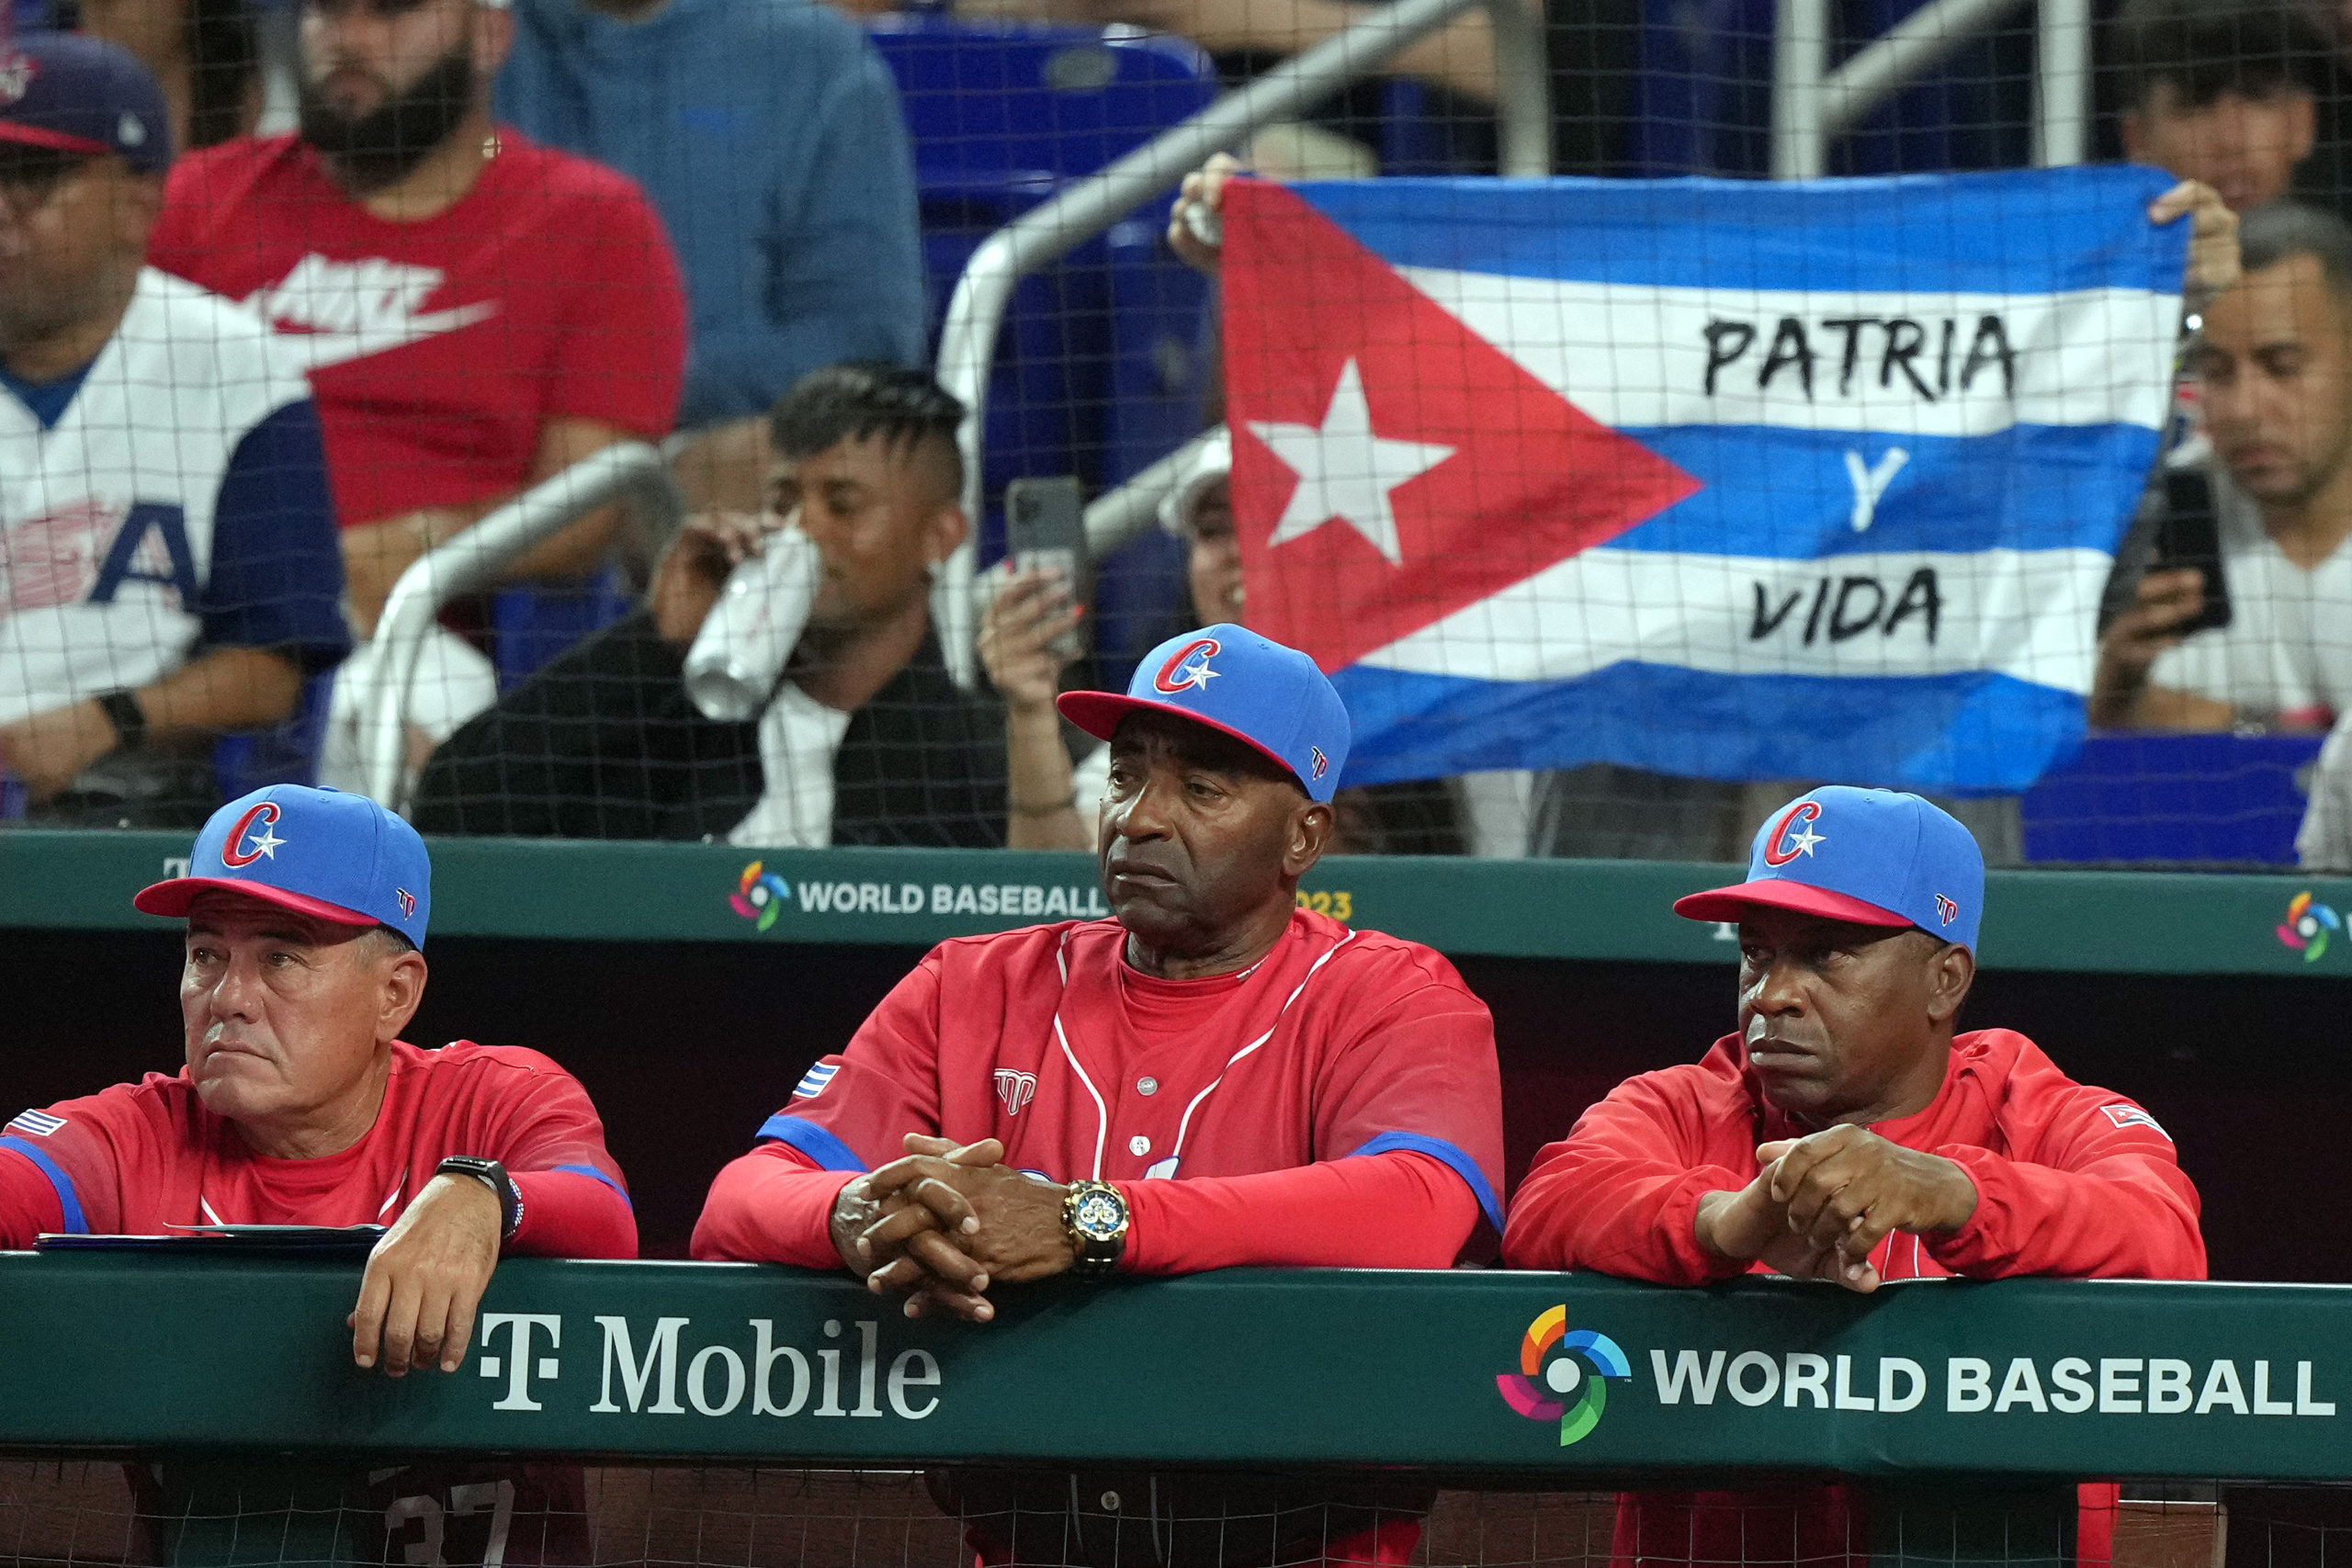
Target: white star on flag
(1344, 471)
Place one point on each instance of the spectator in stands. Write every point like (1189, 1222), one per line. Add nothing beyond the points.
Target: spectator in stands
(1281, 1090)
(205, 54)
(1050, 803)
(170, 569)
(1846, 1134)
(2223, 92)
(769, 135)
(476, 313)
(300, 1105)
(866, 740)
(2274, 370)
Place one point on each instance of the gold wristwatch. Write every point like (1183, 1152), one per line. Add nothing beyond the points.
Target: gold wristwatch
(1096, 1218)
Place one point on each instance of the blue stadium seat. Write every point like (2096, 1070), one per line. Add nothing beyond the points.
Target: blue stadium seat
(1101, 365)
(286, 752)
(531, 625)
(2211, 798)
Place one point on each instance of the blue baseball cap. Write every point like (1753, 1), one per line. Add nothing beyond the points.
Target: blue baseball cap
(72, 93)
(335, 856)
(1267, 697)
(1872, 856)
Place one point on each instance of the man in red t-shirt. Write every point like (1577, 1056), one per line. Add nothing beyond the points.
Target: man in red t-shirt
(1212, 1077)
(1844, 1133)
(476, 313)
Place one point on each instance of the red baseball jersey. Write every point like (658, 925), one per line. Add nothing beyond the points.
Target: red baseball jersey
(2071, 1180)
(137, 1158)
(1337, 1044)
(440, 349)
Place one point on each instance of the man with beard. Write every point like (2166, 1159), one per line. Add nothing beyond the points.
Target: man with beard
(2273, 373)
(476, 313)
(1846, 1133)
(167, 557)
(1211, 1079)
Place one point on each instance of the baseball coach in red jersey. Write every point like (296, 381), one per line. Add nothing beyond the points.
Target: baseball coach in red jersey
(1847, 1133)
(1211, 1078)
(299, 1104)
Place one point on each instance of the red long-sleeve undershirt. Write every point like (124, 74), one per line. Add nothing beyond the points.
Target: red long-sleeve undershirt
(564, 1214)
(1397, 1209)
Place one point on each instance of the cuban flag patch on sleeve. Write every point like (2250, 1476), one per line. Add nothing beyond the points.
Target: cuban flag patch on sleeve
(36, 1123)
(2133, 1116)
(813, 1081)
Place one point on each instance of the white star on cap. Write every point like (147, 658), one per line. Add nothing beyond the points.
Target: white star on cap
(1346, 471)
(1804, 841)
(267, 843)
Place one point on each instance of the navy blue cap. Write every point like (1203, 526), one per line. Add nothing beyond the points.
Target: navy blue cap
(77, 93)
(1872, 856)
(1269, 697)
(339, 857)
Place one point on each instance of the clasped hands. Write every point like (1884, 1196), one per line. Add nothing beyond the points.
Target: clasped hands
(1822, 1204)
(948, 1222)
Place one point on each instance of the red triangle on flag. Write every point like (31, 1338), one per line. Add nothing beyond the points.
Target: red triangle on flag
(1319, 333)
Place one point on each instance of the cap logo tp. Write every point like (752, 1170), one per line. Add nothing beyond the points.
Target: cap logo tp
(1792, 835)
(408, 902)
(1188, 667)
(233, 852)
(1946, 909)
(1322, 764)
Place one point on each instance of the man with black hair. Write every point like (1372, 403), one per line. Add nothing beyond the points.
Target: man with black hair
(2274, 371)
(2223, 92)
(476, 313)
(865, 739)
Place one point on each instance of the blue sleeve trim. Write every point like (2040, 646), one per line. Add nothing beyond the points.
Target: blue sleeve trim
(592, 1174)
(73, 1223)
(811, 1140)
(1438, 1149)
(275, 578)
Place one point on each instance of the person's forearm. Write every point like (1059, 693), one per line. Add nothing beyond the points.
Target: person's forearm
(1389, 1210)
(2140, 705)
(568, 1215)
(1459, 57)
(229, 688)
(1584, 1206)
(771, 1206)
(2129, 1216)
(1040, 803)
(376, 554)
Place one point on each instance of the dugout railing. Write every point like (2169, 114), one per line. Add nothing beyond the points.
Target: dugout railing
(1963, 1413)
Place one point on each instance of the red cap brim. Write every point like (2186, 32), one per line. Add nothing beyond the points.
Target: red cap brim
(57, 140)
(1801, 897)
(172, 898)
(1098, 712)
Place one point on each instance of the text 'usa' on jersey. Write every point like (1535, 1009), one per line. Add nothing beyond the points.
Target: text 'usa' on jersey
(1338, 1042)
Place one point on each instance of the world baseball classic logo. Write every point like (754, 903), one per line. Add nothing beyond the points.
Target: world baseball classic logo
(1556, 1359)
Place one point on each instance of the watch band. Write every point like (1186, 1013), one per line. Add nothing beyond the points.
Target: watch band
(129, 721)
(492, 1175)
(1094, 1214)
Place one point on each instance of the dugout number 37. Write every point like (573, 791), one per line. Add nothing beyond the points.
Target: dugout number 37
(1340, 905)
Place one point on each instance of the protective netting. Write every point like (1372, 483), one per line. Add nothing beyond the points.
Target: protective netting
(1619, 510)
(93, 1512)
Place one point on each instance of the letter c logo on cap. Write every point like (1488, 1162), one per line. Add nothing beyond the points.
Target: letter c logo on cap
(1798, 819)
(233, 854)
(1188, 667)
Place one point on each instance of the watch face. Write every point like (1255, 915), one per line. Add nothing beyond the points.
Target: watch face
(1100, 1216)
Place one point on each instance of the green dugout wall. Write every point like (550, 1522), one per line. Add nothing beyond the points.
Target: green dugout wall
(690, 1022)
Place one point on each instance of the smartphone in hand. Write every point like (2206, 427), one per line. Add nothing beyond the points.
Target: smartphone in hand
(1045, 527)
(2189, 536)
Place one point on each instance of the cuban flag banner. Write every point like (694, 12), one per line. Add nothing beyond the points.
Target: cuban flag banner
(1718, 479)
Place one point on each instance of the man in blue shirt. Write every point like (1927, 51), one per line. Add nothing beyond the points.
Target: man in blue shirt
(168, 564)
(767, 133)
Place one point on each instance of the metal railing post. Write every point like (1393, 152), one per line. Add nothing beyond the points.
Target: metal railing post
(627, 470)
(2063, 65)
(976, 313)
(1800, 65)
(1523, 89)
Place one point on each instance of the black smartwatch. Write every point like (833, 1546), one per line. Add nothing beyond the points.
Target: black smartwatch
(129, 721)
(492, 1175)
(1096, 1219)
